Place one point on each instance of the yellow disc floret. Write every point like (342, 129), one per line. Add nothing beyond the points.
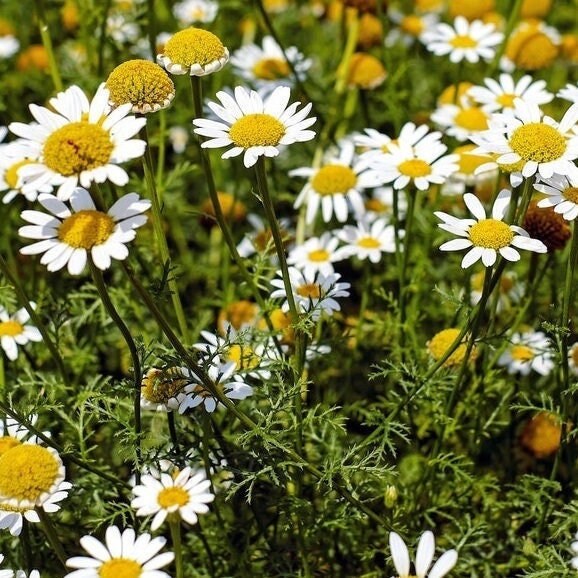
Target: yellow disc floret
(414, 168)
(470, 9)
(194, 46)
(571, 194)
(468, 162)
(439, 344)
(412, 25)
(257, 129)
(85, 229)
(271, 69)
(318, 255)
(472, 119)
(171, 497)
(10, 328)
(7, 443)
(463, 41)
(491, 234)
(531, 48)
(120, 568)
(522, 353)
(11, 174)
(158, 386)
(368, 243)
(309, 290)
(76, 147)
(538, 142)
(243, 356)
(365, 71)
(333, 180)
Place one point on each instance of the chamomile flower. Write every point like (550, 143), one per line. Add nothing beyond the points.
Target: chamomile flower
(408, 27)
(267, 66)
(380, 204)
(474, 170)
(461, 121)
(487, 237)
(532, 45)
(510, 290)
(67, 237)
(13, 433)
(498, 96)
(160, 388)
(182, 495)
(528, 351)
(569, 92)
(192, 11)
(368, 240)
(313, 292)
(471, 41)
(536, 141)
(255, 126)
(423, 558)
(562, 194)
(81, 142)
(12, 159)
(121, 554)
(335, 187)
(316, 254)
(15, 331)
(260, 239)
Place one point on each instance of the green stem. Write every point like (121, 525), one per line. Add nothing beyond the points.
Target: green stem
(173, 431)
(47, 43)
(26, 546)
(175, 526)
(52, 535)
(161, 152)
(512, 20)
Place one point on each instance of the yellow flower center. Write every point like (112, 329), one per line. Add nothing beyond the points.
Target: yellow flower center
(243, 356)
(531, 49)
(368, 243)
(159, 386)
(470, 9)
(7, 443)
(120, 568)
(76, 147)
(254, 130)
(27, 471)
(309, 290)
(271, 69)
(10, 328)
(463, 41)
(538, 142)
(142, 83)
(365, 71)
(571, 194)
(448, 95)
(170, 497)
(491, 234)
(318, 255)
(11, 174)
(467, 161)
(441, 342)
(506, 100)
(522, 353)
(472, 119)
(238, 314)
(377, 206)
(333, 180)
(412, 25)
(194, 46)
(414, 168)
(85, 229)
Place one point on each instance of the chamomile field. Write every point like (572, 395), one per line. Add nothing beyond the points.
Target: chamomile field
(288, 288)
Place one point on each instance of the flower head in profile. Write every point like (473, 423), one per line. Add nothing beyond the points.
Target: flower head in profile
(77, 142)
(528, 351)
(67, 237)
(255, 126)
(160, 388)
(193, 51)
(423, 558)
(486, 238)
(569, 92)
(15, 331)
(191, 11)
(12, 159)
(562, 195)
(183, 495)
(121, 554)
(472, 41)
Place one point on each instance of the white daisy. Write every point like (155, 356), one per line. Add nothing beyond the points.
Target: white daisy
(13, 433)
(121, 29)
(409, 27)
(335, 187)
(461, 121)
(368, 240)
(313, 292)
(255, 126)
(67, 237)
(178, 137)
(191, 11)
(423, 558)
(266, 66)
(316, 254)
(121, 554)
(381, 202)
(562, 194)
(510, 290)
(183, 495)
(487, 237)
(528, 351)
(471, 41)
(569, 92)
(542, 145)
(160, 388)
(475, 170)
(14, 331)
(9, 46)
(81, 142)
(498, 96)
(260, 239)
(12, 159)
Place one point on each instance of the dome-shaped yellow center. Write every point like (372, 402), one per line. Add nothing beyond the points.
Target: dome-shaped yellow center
(258, 129)
(76, 147)
(468, 162)
(194, 46)
(318, 255)
(271, 69)
(333, 180)
(171, 497)
(365, 71)
(309, 290)
(441, 342)
(412, 25)
(7, 443)
(470, 9)
(538, 142)
(522, 353)
(120, 568)
(571, 194)
(414, 168)
(11, 174)
(463, 41)
(158, 386)
(506, 100)
(85, 229)
(472, 119)
(368, 243)
(491, 234)
(243, 356)
(531, 49)
(10, 328)
(27, 471)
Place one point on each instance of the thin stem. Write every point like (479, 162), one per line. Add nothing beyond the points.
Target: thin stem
(52, 535)
(47, 43)
(173, 431)
(175, 526)
(161, 153)
(26, 546)
(512, 19)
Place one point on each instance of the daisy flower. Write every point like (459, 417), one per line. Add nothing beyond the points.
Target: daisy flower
(569, 92)
(487, 237)
(574, 548)
(471, 41)
(409, 27)
(461, 121)
(255, 126)
(31, 477)
(335, 186)
(260, 239)
(510, 290)
(498, 96)
(67, 237)
(121, 554)
(313, 292)
(529, 351)
(562, 194)
(13, 433)
(191, 11)
(536, 141)
(12, 159)
(181, 496)
(14, 331)
(81, 142)
(423, 558)
(9, 46)
(474, 170)
(368, 240)
(160, 388)
(316, 254)
(267, 66)
(381, 202)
